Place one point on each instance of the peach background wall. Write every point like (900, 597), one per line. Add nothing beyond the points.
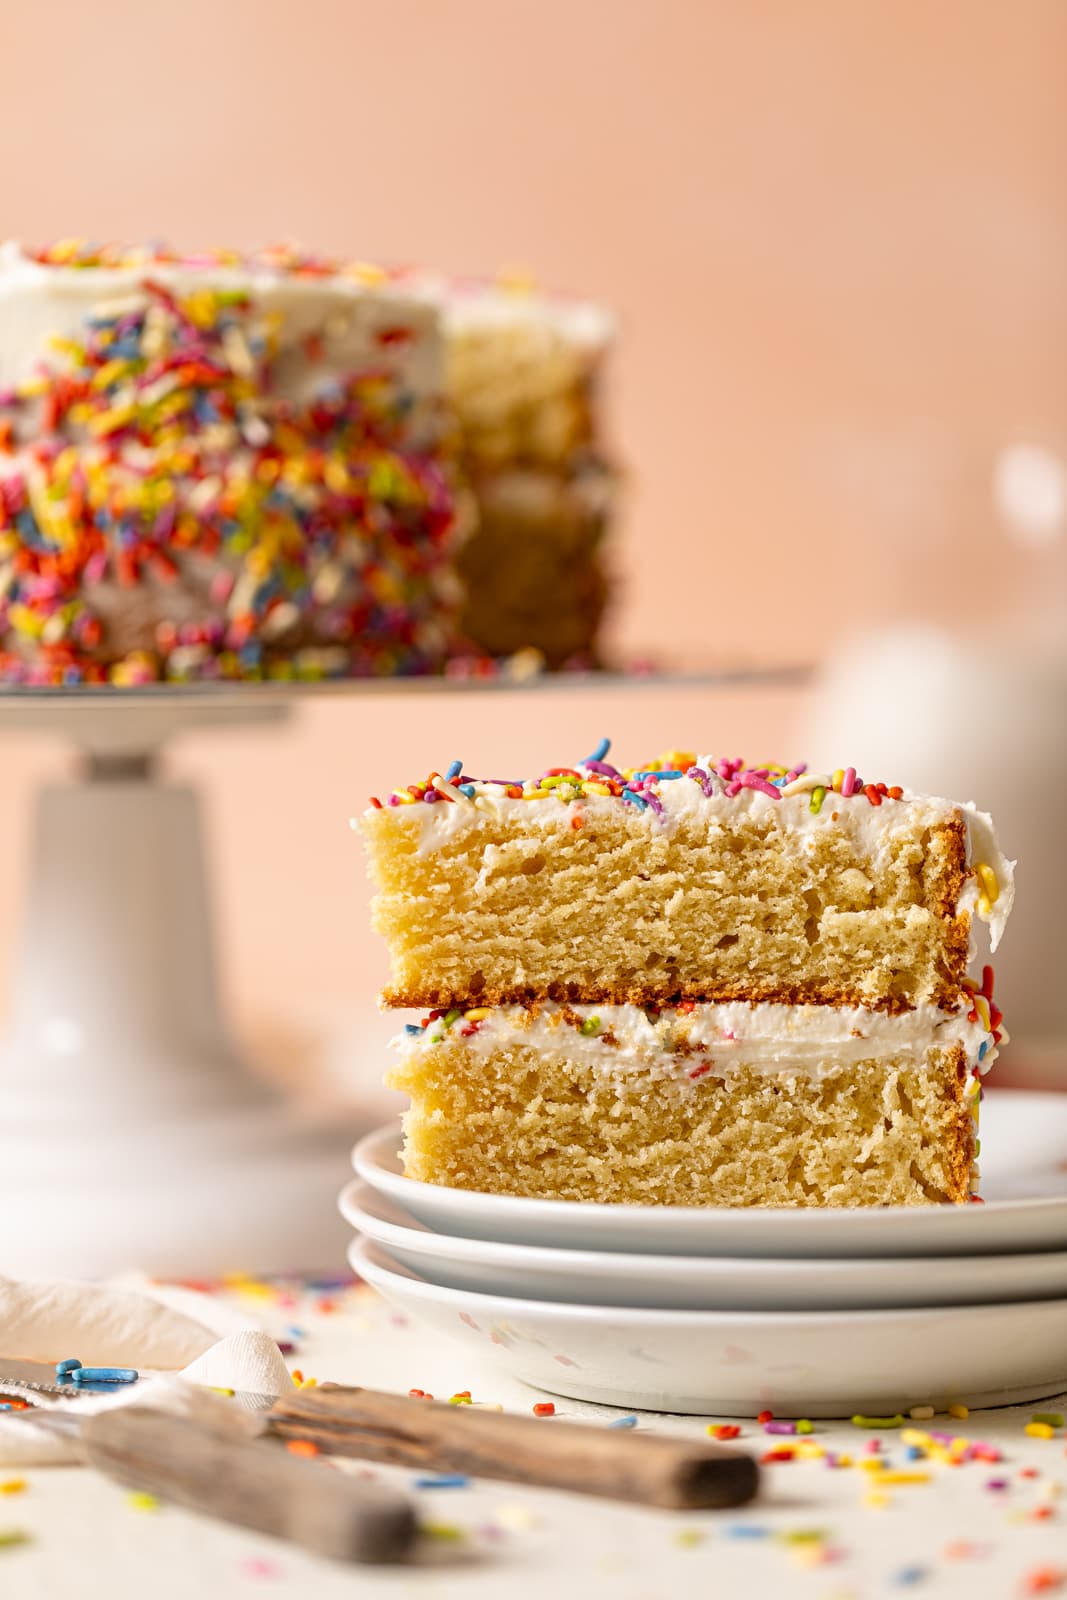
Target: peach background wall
(835, 232)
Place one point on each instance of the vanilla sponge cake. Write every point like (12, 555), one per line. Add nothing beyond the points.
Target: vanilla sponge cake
(694, 880)
(523, 374)
(731, 1104)
(801, 1032)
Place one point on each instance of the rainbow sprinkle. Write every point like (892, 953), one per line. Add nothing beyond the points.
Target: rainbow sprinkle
(150, 469)
(641, 787)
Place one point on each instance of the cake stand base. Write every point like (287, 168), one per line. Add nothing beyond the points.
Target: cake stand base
(132, 1134)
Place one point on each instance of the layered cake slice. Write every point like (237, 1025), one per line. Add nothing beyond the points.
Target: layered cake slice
(689, 983)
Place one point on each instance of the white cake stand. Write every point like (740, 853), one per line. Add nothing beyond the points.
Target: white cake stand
(131, 1132)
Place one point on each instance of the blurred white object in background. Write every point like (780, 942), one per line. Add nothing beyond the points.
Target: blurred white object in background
(1030, 489)
(981, 715)
(916, 707)
(133, 1131)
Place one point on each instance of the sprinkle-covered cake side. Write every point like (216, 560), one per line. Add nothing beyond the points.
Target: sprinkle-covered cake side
(218, 466)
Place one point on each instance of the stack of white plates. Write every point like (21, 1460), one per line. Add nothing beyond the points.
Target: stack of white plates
(805, 1312)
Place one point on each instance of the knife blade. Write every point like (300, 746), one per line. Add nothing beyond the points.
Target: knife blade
(220, 1472)
(37, 1381)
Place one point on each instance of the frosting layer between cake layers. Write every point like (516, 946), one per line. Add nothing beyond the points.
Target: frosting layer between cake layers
(628, 1043)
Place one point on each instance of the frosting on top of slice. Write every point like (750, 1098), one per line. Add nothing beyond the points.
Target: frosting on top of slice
(683, 783)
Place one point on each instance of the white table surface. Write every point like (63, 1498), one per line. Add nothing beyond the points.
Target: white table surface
(950, 1536)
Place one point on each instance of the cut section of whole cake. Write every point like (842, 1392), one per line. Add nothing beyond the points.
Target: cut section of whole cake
(522, 372)
(689, 983)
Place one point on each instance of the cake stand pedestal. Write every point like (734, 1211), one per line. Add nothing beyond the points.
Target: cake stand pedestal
(131, 1133)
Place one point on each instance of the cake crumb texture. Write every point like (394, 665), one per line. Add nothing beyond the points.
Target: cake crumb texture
(520, 907)
(891, 1131)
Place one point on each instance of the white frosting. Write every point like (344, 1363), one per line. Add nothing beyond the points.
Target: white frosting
(477, 306)
(41, 301)
(983, 846)
(714, 1039)
(872, 829)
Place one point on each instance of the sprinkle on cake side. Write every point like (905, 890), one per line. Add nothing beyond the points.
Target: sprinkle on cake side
(218, 466)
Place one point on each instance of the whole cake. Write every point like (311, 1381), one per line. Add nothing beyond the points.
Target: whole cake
(275, 465)
(694, 982)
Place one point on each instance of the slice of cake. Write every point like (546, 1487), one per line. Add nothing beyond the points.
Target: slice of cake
(690, 983)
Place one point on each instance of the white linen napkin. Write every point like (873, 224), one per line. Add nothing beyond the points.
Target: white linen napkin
(171, 1334)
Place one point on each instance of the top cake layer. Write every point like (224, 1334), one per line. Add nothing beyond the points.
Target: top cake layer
(688, 879)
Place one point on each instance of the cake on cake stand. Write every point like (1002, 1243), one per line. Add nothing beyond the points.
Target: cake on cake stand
(132, 1130)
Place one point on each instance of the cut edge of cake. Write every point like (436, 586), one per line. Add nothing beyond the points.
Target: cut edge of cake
(680, 883)
(694, 1086)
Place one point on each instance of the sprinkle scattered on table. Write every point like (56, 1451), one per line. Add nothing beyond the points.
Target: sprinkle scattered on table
(302, 1447)
(140, 1500)
(260, 1567)
(446, 1532)
(1044, 1580)
(516, 1518)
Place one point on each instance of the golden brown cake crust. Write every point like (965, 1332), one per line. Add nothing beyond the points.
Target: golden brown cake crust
(651, 995)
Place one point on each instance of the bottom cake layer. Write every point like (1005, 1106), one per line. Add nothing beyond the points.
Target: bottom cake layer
(726, 1105)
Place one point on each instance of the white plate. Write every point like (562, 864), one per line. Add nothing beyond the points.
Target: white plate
(1024, 1152)
(698, 1283)
(733, 1363)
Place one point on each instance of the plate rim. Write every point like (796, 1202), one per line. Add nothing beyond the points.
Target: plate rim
(660, 1316)
(491, 1252)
